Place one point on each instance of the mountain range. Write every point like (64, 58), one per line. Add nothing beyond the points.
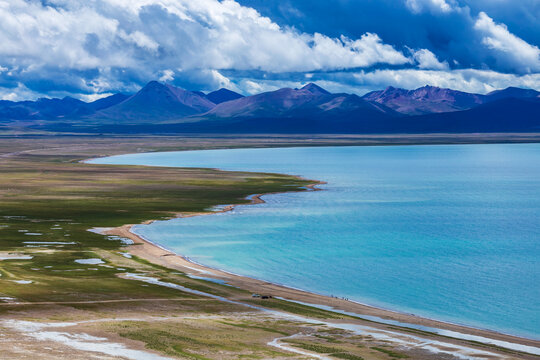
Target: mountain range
(431, 99)
(163, 108)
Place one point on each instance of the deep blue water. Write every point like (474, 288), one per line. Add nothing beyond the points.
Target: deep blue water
(448, 232)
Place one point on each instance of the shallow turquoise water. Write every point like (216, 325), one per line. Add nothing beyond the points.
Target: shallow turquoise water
(448, 232)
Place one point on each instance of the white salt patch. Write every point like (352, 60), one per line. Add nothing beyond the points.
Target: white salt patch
(15, 257)
(22, 281)
(80, 341)
(99, 230)
(49, 243)
(215, 281)
(22, 230)
(155, 281)
(276, 343)
(126, 255)
(33, 234)
(485, 340)
(89, 261)
(199, 270)
(123, 240)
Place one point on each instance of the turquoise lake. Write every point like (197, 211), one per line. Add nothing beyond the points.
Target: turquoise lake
(450, 232)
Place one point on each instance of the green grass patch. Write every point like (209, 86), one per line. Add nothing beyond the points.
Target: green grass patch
(390, 353)
(318, 348)
(247, 326)
(328, 339)
(347, 356)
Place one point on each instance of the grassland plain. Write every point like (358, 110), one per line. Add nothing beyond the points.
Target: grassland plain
(53, 305)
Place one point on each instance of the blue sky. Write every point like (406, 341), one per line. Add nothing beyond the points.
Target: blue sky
(92, 48)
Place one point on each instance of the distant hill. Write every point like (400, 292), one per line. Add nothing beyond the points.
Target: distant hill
(511, 92)
(50, 109)
(315, 89)
(424, 100)
(431, 99)
(154, 102)
(504, 115)
(88, 109)
(222, 95)
(268, 104)
(309, 102)
(162, 108)
(108, 101)
(40, 109)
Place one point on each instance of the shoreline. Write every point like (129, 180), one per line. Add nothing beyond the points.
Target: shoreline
(159, 255)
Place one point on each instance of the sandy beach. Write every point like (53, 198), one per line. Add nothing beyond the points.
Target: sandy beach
(452, 333)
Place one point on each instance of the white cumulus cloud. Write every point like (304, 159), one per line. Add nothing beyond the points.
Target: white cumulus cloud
(440, 6)
(508, 46)
(427, 60)
(17, 93)
(141, 39)
(167, 75)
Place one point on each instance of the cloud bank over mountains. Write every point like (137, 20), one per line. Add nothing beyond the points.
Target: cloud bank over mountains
(91, 48)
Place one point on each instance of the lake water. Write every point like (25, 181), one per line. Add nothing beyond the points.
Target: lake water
(447, 232)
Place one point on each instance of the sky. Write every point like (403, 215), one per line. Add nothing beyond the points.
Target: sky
(93, 48)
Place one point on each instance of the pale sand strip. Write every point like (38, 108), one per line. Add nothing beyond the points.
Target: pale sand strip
(158, 255)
